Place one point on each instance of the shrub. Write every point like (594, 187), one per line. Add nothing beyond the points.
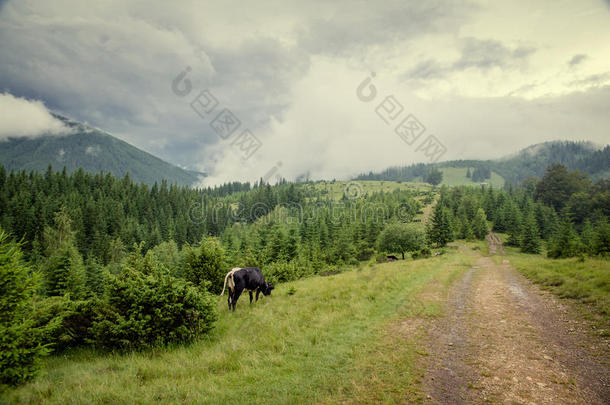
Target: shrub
(425, 252)
(279, 272)
(20, 347)
(205, 266)
(144, 310)
(381, 258)
(65, 323)
(365, 253)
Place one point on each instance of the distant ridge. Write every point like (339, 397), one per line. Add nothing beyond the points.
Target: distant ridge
(92, 150)
(531, 161)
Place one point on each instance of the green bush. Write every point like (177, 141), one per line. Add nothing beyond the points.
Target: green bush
(381, 258)
(65, 323)
(205, 266)
(279, 272)
(422, 254)
(20, 347)
(145, 310)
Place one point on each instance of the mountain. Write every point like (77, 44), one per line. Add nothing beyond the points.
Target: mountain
(531, 161)
(94, 151)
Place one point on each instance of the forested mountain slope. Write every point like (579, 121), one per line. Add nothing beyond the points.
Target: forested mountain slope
(531, 161)
(94, 151)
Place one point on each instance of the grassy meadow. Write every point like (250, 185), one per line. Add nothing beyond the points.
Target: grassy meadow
(456, 176)
(336, 188)
(321, 339)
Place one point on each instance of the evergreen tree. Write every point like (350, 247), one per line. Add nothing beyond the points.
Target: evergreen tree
(565, 242)
(95, 277)
(435, 177)
(479, 225)
(513, 224)
(530, 240)
(601, 240)
(63, 269)
(587, 236)
(440, 231)
(20, 347)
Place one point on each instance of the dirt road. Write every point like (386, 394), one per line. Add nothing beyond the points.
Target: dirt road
(504, 341)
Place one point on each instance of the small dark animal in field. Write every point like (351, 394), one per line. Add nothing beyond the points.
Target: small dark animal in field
(248, 278)
(392, 258)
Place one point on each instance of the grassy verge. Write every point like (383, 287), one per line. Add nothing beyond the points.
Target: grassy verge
(323, 339)
(586, 282)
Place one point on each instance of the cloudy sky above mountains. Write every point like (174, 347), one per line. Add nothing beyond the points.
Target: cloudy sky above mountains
(485, 78)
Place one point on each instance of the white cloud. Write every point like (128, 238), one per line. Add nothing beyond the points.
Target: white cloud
(20, 117)
(332, 134)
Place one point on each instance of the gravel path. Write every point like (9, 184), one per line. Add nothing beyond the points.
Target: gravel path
(503, 341)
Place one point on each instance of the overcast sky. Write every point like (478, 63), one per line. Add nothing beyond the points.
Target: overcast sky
(484, 78)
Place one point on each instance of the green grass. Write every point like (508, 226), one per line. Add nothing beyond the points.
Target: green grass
(323, 339)
(456, 176)
(335, 189)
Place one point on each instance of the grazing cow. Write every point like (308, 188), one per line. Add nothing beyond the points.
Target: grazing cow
(392, 258)
(249, 279)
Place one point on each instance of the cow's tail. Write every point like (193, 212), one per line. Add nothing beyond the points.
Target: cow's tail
(229, 276)
(225, 284)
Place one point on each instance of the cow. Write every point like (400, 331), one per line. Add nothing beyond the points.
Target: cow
(247, 278)
(392, 258)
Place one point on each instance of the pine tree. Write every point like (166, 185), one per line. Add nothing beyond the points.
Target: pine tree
(95, 278)
(530, 240)
(20, 349)
(601, 240)
(63, 270)
(513, 224)
(440, 227)
(565, 242)
(468, 230)
(587, 236)
(479, 225)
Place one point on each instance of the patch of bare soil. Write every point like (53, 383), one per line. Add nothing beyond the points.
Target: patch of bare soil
(503, 341)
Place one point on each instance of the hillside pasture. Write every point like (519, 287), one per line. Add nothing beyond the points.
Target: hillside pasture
(321, 339)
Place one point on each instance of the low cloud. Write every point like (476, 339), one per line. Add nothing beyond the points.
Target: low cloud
(27, 118)
(488, 53)
(481, 54)
(577, 59)
(335, 135)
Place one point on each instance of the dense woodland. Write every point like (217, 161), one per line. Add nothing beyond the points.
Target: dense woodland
(91, 260)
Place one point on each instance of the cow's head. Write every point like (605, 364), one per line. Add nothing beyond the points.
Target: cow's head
(266, 289)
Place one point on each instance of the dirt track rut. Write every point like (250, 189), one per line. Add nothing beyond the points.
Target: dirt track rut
(503, 341)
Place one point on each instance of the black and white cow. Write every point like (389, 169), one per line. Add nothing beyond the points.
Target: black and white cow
(248, 278)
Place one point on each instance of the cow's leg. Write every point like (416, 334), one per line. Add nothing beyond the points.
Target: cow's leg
(229, 298)
(250, 292)
(236, 297)
(257, 292)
